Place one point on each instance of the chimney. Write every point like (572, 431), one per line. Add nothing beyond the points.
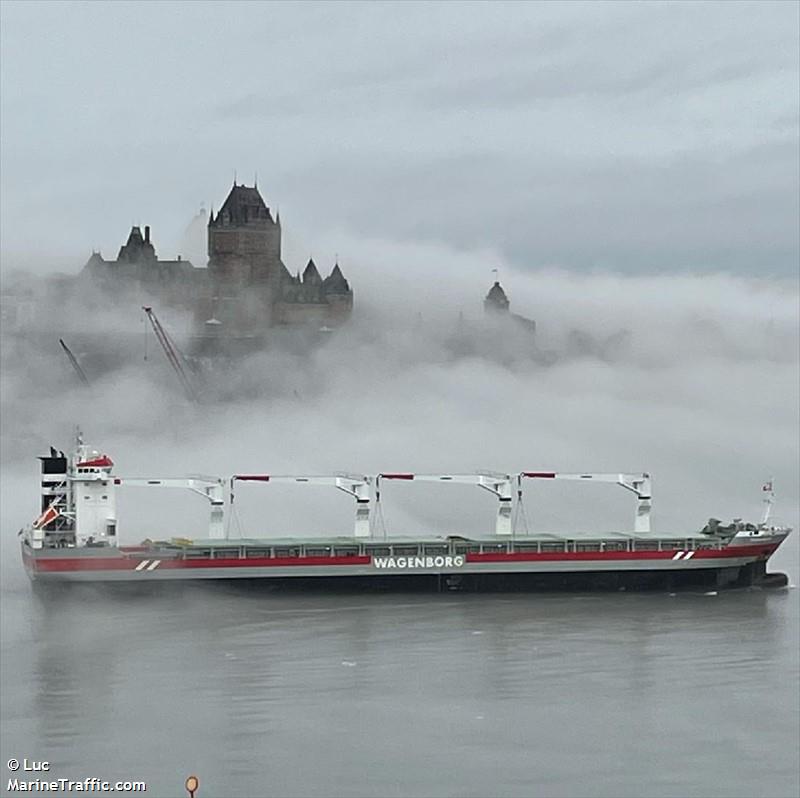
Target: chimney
(147, 234)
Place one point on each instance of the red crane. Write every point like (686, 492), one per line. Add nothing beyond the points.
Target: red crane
(171, 351)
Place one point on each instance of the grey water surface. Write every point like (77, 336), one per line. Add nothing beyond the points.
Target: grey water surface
(262, 694)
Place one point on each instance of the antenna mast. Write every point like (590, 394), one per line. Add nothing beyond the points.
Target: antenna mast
(769, 499)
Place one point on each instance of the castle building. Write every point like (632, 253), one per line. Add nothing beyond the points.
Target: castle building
(252, 286)
(138, 269)
(245, 289)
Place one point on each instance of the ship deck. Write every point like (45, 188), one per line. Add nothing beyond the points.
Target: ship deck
(540, 543)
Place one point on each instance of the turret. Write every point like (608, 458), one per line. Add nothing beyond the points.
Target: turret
(335, 283)
(496, 300)
(311, 275)
(243, 231)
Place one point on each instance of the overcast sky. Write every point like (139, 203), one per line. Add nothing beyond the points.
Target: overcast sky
(624, 136)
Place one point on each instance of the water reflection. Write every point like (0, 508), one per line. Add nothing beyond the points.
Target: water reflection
(409, 695)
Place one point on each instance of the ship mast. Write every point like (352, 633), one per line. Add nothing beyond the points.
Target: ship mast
(769, 500)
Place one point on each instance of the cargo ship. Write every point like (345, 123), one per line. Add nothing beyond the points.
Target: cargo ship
(75, 538)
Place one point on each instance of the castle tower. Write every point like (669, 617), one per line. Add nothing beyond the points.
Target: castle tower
(244, 241)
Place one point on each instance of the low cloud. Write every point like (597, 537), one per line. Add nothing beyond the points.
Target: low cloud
(694, 379)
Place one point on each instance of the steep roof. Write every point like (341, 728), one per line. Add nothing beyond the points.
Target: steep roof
(137, 247)
(335, 282)
(311, 275)
(496, 298)
(244, 205)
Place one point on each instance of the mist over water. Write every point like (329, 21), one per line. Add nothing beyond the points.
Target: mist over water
(694, 379)
(628, 171)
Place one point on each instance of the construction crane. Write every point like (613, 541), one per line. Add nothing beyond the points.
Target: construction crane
(74, 362)
(171, 351)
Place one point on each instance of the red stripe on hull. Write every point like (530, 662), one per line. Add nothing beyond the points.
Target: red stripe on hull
(51, 564)
(552, 556)
(56, 564)
(264, 562)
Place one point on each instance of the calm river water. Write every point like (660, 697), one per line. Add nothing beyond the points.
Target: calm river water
(444, 695)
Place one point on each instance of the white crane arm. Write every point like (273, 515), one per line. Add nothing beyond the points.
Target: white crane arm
(209, 488)
(640, 484)
(497, 484)
(354, 485)
(204, 487)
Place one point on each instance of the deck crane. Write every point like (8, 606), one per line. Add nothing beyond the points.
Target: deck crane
(210, 488)
(497, 484)
(636, 483)
(74, 362)
(354, 485)
(171, 351)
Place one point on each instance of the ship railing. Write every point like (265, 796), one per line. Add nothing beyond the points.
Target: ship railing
(251, 550)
